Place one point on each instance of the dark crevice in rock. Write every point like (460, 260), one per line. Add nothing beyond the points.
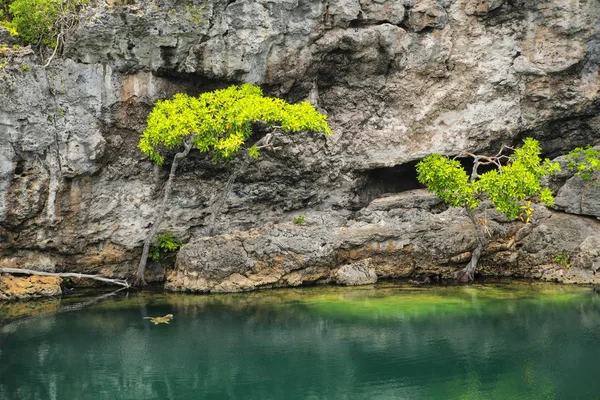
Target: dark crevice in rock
(386, 180)
(428, 30)
(20, 166)
(193, 84)
(167, 54)
(366, 23)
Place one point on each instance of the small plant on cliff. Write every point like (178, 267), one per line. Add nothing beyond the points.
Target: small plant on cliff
(218, 123)
(299, 220)
(563, 259)
(9, 27)
(515, 177)
(197, 14)
(167, 243)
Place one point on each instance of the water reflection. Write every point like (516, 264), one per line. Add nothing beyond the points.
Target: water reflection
(493, 341)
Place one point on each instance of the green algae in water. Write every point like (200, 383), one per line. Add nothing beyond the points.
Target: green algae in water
(519, 340)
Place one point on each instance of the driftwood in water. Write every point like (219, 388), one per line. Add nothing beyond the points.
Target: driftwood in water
(119, 282)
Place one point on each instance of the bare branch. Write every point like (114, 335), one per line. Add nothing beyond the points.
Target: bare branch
(504, 147)
(479, 159)
(120, 282)
(58, 39)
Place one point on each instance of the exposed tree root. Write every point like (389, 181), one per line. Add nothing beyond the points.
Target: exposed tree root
(467, 274)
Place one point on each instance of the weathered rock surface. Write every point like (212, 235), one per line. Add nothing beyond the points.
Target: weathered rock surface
(398, 79)
(389, 241)
(574, 194)
(16, 288)
(578, 196)
(355, 274)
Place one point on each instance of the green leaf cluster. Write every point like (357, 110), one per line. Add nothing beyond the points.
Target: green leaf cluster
(519, 180)
(448, 180)
(563, 258)
(10, 27)
(584, 161)
(39, 21)
(167, 244)
(507, 187)
(220, 122)
(299, 220)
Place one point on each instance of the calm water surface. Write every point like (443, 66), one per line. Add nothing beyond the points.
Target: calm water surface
(390, 341)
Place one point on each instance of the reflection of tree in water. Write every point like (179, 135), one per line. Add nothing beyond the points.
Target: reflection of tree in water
(249, 347)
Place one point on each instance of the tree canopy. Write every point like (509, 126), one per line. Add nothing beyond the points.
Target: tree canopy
(516, 178)
(220, 122)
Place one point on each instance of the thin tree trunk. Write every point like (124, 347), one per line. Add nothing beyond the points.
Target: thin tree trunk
(120, 282)
(138, 279)
(467, 274)
(218, 204)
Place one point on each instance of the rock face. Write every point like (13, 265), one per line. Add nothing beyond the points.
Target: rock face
(387, 240)
(14, 288)
(355, 274)
(398, 79)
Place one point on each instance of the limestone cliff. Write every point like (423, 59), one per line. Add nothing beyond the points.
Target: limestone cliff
(398, 79)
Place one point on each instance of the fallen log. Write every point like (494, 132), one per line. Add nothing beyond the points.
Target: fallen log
(119, 282)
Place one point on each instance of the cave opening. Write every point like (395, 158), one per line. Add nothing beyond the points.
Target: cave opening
(388, 180)
(396, 179)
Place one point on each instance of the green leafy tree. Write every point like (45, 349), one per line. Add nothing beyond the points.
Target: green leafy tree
(45, 22)
(515, 179)
(218, 123)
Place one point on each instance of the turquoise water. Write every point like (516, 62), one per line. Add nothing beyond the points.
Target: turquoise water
(391, 341)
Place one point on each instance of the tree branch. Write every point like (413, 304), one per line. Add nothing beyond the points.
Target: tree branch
(119, 282)
(58, 39)
(479, 160)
